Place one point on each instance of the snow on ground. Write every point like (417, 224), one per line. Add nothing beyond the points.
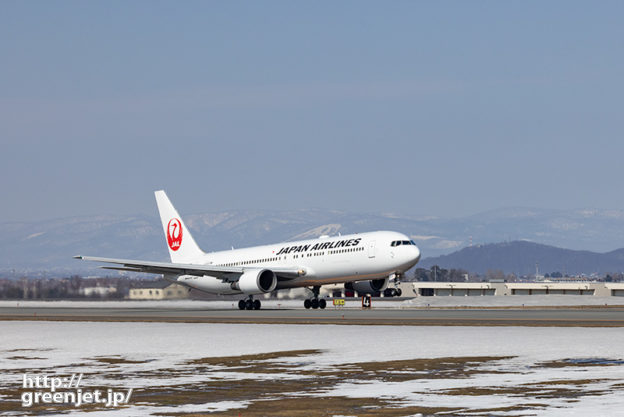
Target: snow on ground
(162, 304)
(174, 304)
(73, 347)
(418, 302)
(69, 342)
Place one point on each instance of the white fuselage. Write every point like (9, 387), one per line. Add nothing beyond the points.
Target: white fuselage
(326, 260)
(368, 259)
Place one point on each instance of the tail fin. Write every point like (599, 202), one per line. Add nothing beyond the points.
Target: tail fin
(181, 245)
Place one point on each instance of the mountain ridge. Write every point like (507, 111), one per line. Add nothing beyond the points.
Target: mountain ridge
(522, 258)
(48, 245)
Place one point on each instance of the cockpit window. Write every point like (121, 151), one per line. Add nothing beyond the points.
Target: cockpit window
(402, 242)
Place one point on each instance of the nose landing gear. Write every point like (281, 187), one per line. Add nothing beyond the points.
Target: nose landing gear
(392, 292)
(249, 304)
(396, 291)
(315, 302)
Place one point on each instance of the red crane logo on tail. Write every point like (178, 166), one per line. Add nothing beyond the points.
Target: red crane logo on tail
(174, 234)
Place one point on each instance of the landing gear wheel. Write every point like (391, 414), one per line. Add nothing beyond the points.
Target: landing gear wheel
(249, 305)
(398, 292)
(322, 303)
(315, 303)
(307, 304)
(241, 304)
(256, 305)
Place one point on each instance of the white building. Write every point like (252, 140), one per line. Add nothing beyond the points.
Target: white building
(603, 289)
(158, 290)
(465, 289)
(97, 291)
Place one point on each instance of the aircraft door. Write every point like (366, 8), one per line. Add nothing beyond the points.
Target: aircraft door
(371, 249)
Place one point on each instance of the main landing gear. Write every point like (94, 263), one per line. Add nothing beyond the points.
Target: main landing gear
(249, 304)
(314, 302)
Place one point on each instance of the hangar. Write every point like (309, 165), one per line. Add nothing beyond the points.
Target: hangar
(157, 290)
(428, 289)
(479, 289)
(410, 289)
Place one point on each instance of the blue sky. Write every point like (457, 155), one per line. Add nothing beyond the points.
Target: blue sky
(416, 108)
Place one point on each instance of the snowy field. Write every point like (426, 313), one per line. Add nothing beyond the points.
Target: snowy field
(418, 302)
(484, 371)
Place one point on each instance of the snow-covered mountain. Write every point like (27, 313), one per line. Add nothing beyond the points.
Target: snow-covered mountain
(29, 247)
(522, 258)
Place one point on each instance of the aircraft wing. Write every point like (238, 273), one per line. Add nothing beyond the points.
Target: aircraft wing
(227, 273)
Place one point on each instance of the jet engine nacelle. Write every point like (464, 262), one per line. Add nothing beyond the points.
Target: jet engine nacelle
(204, 283)
(367, 287)
(257, 281)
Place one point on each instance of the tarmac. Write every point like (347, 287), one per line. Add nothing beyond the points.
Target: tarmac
(587, 316)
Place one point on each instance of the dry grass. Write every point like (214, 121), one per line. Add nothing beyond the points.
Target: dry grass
(117, 360)
(564, 363)
(270, 389)
(328, 406)
(28, 358)
(228, 360)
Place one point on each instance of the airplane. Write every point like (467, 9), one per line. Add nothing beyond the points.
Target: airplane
(364, 262)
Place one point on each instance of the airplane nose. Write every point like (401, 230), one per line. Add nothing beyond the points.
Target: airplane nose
(416, 254)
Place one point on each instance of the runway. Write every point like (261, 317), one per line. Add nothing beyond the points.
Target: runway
(560, 316)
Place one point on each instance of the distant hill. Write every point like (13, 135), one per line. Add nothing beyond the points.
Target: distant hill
(520, 257)
(47, 246)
